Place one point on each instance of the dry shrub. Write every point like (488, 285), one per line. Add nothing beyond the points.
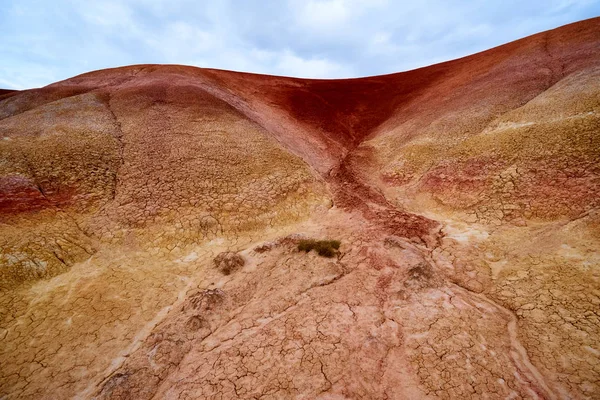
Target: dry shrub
(325, 248)
(228, 262)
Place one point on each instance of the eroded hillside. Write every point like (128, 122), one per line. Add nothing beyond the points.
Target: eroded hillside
(150, 218)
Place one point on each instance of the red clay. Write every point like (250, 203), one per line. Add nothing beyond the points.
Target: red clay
(338, 114)
(323, 120)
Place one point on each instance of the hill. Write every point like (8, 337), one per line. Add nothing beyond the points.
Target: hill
(152, 219)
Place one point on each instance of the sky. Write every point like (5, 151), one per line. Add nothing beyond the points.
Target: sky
(44, 41)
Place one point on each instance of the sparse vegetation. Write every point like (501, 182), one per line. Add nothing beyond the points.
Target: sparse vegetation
(325, 248)
(228, 262)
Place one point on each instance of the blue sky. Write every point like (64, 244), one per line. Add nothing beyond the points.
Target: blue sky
(43, 41)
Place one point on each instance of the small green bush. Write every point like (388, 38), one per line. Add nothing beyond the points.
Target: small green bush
(325, 248)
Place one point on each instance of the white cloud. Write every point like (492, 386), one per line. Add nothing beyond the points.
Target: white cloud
(381, 43)
(330, 15)
(562, 5)
(321, 14)
(27, 76)
(106, 13)
(180, 40)
(288, 63)
(47, 41)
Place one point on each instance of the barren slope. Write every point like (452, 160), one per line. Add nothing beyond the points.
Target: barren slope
(465, 196)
